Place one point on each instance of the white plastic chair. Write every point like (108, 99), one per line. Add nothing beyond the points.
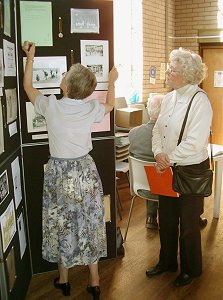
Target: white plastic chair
(121, 167)
(139, 185)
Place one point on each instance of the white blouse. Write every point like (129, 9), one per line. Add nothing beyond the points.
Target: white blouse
(69, 124)
(193, 147)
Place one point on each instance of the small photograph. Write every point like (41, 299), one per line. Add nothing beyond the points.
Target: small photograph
(94, 55)
(4, 186)
(8, 225)
(94, 50)
(35, 122)
(11, 270)
(96, 69)
(11, 105)
(84, 20)
(22, 234)
(45, 74)
(16, 181)
(47, 71)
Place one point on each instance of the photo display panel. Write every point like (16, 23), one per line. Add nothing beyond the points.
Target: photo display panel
(9, 108)
(82, 32)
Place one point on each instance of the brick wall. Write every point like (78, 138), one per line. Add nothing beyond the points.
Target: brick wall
(163, 22)
(192, 15)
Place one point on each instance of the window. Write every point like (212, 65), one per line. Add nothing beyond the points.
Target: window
(128, 55)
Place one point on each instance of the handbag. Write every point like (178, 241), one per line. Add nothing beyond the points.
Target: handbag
(191, 180)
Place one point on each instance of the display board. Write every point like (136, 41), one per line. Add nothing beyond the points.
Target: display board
(9, 112)
(65, 32)
(15, 264)
(35, 157)
(81, 31)
(14, 254)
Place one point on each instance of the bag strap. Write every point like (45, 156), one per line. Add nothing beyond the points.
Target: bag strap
(183, 127)
(185, 118)
(211, 147)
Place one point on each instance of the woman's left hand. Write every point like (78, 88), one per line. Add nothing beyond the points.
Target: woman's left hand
(113, 75)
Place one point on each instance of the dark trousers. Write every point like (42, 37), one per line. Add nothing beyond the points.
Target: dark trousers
(183, 211)
(179, 219)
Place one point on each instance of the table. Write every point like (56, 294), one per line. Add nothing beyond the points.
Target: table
(218, 169)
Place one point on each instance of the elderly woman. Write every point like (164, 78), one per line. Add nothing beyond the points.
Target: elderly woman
(184, 73)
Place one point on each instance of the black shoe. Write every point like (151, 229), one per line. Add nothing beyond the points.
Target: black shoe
(65, 287)
(203, 222)
(94, 291)
(183, 279)
(151, 223)
(159, 269)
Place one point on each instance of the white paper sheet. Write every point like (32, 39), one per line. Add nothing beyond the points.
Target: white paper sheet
(22, 234)
(16, 178)
(9, 58)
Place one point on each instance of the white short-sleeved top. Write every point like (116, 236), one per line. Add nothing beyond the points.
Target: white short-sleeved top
(69, 124)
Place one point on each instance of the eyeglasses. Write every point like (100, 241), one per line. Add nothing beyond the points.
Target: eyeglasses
(64, 74)
(171, 69)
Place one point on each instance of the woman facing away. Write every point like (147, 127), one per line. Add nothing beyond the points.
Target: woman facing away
(186, 70)
(73, 215)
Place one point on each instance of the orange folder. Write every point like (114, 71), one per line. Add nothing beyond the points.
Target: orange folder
(160, 183)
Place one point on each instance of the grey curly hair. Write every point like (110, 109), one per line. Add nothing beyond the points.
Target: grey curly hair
(80, 81)
(191, 66)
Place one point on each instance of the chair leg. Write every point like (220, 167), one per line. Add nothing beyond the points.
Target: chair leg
(118, 203)
(127, 176)
(119, 200)
(129, 217)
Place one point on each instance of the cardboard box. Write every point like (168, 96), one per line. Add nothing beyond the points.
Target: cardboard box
(120, 102)
(128, 117)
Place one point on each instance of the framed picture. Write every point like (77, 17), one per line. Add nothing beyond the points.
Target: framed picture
(84, 20)
(47, 71)
(94, 55)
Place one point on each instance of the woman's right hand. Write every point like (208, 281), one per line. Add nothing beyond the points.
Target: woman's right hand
(29, 49)
(162, 161)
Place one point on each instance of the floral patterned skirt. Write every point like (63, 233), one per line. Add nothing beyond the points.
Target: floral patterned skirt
(73, 213)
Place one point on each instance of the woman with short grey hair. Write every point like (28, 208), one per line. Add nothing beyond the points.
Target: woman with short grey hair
(185, 71)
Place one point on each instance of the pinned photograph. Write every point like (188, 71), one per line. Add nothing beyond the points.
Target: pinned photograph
(35, 122)
(4, 186)
(8, 225)
(11, 269)
(95, 56)
(47, 71)
(84, 20)
(22, 234)
(16, 181)
(11, 105)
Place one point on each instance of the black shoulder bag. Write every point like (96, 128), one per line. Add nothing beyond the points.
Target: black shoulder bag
(190, 180)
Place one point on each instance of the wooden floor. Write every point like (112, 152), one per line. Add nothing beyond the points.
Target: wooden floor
(124, 278)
